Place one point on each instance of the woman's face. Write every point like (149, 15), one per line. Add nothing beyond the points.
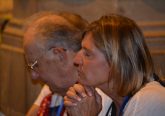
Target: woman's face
(93, 68)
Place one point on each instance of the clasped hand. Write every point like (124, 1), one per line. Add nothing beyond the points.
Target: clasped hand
(82, 101)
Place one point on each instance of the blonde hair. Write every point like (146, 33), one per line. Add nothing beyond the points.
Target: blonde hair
(123, 44)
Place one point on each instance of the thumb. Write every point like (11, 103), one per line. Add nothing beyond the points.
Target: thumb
(89, 90)
(98, 100)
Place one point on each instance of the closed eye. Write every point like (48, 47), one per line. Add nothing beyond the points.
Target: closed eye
(86, 54)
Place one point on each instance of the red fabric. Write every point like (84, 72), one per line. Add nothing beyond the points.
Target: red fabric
(63, 111)
(44, 107)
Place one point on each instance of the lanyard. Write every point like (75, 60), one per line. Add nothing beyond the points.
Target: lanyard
(156, 78)
(60, 109)
(125, 101)
(111, 110)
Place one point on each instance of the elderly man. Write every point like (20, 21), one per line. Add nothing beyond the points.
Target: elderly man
(50, 43)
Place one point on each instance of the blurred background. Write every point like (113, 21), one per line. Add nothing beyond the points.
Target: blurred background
(17, 90)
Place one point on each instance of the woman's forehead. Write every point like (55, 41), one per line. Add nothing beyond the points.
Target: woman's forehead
(88, 42)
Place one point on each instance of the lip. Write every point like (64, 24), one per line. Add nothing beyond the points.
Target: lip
(79, 70)
(79, 73)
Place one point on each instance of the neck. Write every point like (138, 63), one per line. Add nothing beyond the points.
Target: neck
(111, 92)
(60, 92)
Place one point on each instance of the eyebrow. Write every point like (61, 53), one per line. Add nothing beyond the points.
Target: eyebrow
(86, 49)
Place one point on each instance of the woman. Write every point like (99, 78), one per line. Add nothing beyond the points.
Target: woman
(115, 58)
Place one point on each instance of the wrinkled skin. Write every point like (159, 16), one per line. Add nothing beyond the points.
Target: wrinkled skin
(87, 102)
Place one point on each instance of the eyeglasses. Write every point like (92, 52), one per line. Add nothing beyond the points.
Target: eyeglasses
(33, 65)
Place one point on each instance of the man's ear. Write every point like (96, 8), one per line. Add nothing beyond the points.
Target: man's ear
(60, 53)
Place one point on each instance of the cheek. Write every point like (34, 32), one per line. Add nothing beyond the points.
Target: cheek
(96, 73)
(49, 67)
(47, 71)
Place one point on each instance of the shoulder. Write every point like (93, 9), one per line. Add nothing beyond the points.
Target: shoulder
(153, 91)
(148, 101)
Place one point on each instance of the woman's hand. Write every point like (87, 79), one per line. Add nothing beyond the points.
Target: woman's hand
(82, 101)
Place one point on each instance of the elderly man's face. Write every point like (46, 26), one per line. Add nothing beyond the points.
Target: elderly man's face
(54, 66)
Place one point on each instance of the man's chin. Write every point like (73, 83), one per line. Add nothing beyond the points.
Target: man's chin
(50, 89)
(35, 78)
(59, 91)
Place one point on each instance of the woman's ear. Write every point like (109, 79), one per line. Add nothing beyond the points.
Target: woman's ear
(60, 53)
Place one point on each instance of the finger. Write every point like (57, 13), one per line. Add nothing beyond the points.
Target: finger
(89, 90)
(98, 100)
(70, 99)
(69, 102)
(80, 90)
(73, 95)
(72, 89)
(98, 97)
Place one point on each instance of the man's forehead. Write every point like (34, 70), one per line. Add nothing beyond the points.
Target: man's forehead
(30, 37)
(33, 49)
(54, 19)
(33, 35)
(43, 23)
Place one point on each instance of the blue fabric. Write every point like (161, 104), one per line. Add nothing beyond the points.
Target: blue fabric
(53, 110)
(56, 111)
(125, 101)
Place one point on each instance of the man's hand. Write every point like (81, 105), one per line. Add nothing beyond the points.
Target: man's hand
(82, 101)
